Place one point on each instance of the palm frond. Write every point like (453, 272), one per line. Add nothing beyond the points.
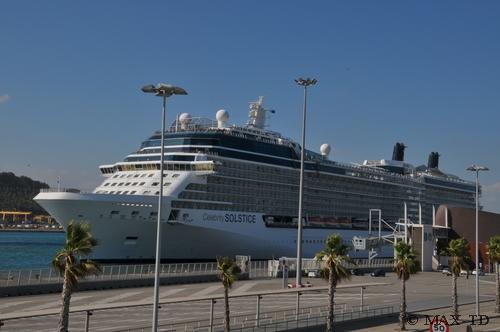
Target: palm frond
(458, 249)
(334, 256)
(494, 248)
(228, 270)
(406, 262)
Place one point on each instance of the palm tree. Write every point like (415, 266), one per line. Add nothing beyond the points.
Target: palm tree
(70, 265)
(334, 255)
(228, 270)
(458, 250)
(494, 252)
(406, 264)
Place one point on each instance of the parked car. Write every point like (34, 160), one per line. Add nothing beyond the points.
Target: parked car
(357, 272)
(378, 273)
(446, 271)
(440, 267)
(313, 274)
(481, 272)
(294, 285)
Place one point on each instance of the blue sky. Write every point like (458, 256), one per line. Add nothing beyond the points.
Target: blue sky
(425, 73)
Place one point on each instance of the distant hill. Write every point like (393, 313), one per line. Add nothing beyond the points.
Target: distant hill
(17, 192)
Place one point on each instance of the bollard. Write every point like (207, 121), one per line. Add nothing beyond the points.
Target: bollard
(87, 320)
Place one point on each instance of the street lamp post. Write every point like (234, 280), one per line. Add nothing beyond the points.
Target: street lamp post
(165, 91)
(305, 82)
(477, 169)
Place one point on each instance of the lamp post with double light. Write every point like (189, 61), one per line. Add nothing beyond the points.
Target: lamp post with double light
(304, 82)
(164, 91)
(477, 169)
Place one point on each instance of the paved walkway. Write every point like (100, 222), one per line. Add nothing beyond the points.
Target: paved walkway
(425, 290)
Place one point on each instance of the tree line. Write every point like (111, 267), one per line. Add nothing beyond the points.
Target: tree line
(17, 192)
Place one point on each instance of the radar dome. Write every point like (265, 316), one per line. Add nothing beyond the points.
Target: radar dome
(222, 115)
(185, 118)
(325, 149)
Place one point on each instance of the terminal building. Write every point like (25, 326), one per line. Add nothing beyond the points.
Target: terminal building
(451, 222)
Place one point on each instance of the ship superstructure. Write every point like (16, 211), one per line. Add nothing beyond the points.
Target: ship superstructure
(234, 190)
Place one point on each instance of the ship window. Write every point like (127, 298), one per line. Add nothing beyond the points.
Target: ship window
(146, 192)
(115, 176)
(165, 175)
(122, 176)
(134, 213)
(111, 192)
(150, 175)
(127, 184)
(175, 175)
(106, 184)
(118, 192)
(125, 192)
(154, 184)
(142, 183)
(132, 192)
(156, 193)
(136, 176)
(115, 212)
(120, 184)
(153, 214)
(134, 184)
(166, 184)
(113, 184)
(143, 175)
(129, 176)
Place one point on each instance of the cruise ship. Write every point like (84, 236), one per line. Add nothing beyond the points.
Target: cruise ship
(233, 190)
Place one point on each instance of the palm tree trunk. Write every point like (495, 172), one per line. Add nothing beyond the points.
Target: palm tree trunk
(497, 279)
(226, 305)
(454, 297)
(332, 285)
(66, 298)
(402, 309)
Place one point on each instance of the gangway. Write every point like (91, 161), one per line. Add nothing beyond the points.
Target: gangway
(399, 232)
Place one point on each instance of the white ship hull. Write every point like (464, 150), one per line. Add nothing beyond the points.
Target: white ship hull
(195, 235)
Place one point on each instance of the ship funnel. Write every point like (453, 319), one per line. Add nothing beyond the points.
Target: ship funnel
(325, 150)
(399, 152)
(222, 116)
(433, 160)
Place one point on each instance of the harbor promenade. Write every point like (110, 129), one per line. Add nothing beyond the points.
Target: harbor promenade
(186, 306)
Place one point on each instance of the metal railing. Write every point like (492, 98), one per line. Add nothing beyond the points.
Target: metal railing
(11, 278)
(257, 269)
(291, 312)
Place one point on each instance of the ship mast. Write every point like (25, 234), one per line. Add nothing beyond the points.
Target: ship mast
(257, 114)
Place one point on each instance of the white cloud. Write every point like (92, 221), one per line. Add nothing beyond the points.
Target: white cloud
(4, 98)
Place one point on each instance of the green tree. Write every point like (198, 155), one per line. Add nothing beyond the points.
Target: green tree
(494, 253)
(405, 265)
(228, 271)
(70, 265)
(334, 255)
(458, 250)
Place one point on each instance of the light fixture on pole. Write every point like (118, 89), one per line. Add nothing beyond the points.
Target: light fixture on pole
(165, 91)
(477, 169)
(304, 82)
